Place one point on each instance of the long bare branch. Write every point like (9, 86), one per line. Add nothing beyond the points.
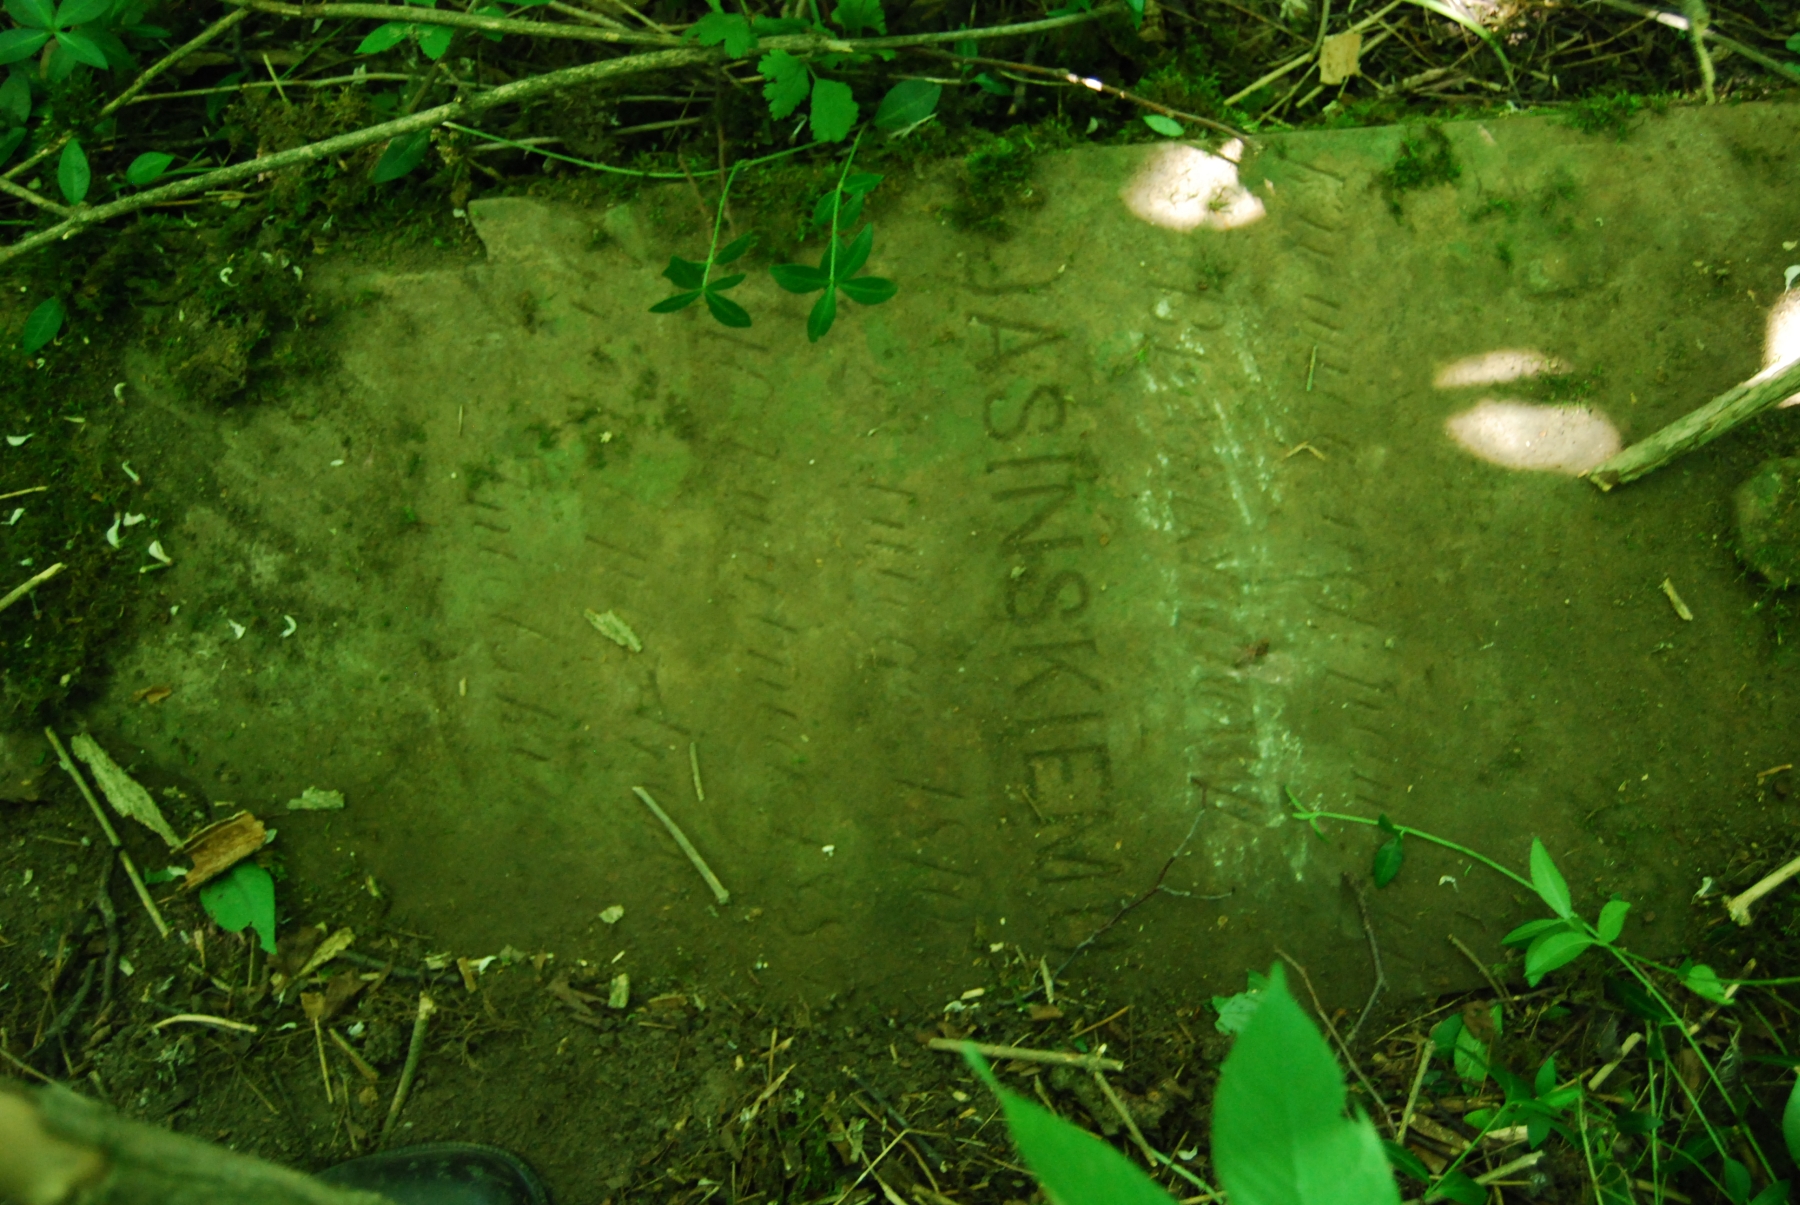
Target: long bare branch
(414, 15)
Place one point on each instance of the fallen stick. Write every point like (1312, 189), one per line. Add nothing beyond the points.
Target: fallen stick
(414, 1052)
(112, 834)
(29, 586)
(1024, 1054)
(687, 847)
(1700, 427)
(1739, 906)
(206, 1019)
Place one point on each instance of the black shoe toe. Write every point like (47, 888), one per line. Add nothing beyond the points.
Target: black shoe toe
(443, 1173)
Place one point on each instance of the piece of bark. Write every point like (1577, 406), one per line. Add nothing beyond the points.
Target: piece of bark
(218, 847)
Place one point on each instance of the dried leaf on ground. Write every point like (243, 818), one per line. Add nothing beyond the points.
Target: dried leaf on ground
(1338, 58)
(127, 797)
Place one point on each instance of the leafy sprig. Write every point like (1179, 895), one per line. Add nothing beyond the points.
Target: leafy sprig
(695, 277)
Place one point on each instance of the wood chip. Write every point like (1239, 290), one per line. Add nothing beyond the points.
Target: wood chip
(328, 949)
(218, 847)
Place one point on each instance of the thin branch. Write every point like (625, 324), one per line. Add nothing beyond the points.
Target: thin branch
(1362, 905)
(436, 16)
(38, 199)
(1069, 77)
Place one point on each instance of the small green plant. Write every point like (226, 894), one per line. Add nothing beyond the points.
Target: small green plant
(1424, 162)
(1552, 943)
(1599, 114)
(243, 898)
(42, 325)
(838, 267)
(695, 277)
(75, 33)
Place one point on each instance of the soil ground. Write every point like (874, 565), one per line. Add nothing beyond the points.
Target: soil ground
(1216, 487)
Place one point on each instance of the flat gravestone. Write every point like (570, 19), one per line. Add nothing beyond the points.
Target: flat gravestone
(1229, 480)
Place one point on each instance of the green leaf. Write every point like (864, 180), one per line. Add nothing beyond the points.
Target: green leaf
(246, 896)
(1404, 1160)
(384, 37)
(679, 301)
(1445, 1033)
(1071, 1163)
(1470, 1057)
(798, 278)
(1793, 43)
(1790, 1122)
(434, 40)
(9, 142)
(685, 273)
(731, 30)
(862, 183)
(16, 44)
(1775, 1194)
(726, 282)
(993, 86)
(788, 82)
(1612, 920)
(39, 14)
(1703, 981)
(148, 167)
(1549, 881)
(907, 103)
(1459, 1188)
(727, 311)
(735, 248)
(1168, 127)
(81, 47)
(42, 325)
(1279, 1133)
(402, 155)
(72, 174)
(851, 259)
(869, 290)
(1391, 854)
(1553, 951)
(833, 110)
(80, 12)
(1737, 1180)
(824, 313)
(858, 15)
(15, 98)
(1545, 1079)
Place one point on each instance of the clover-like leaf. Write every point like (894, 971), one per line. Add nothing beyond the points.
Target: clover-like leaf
(148, 167)
(798, 278)
(727, 311)
(1168, 127)
(72, 173)
(81, 47)
(679, 301)
(735, 248)
(834, 110)
(824, 313)
(869, 290)
(787, 81)
(685, 273)
(726, 282)
(851, 259)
